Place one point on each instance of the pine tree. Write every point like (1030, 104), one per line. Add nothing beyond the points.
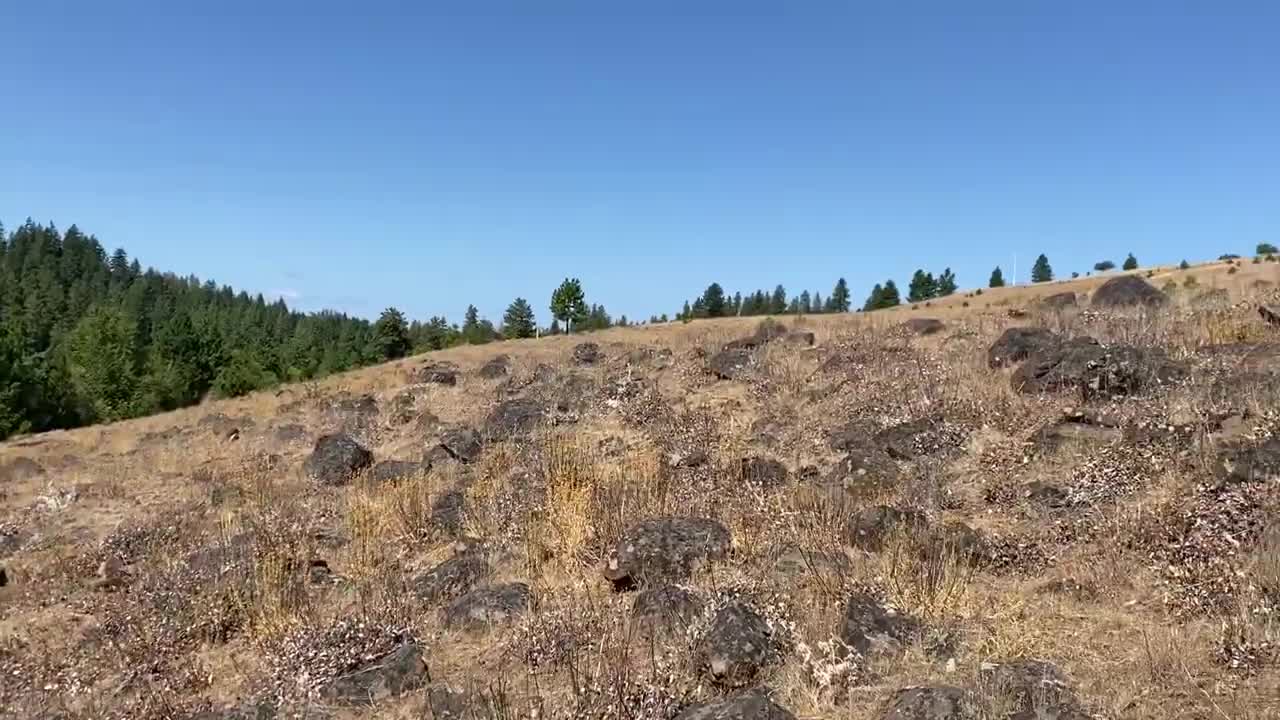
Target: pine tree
(569, 304)
(1267, 249)
(778, 303)
(518, 321)
(737, 304)
(805, 301)
(1184, 265)
(474, 330)
(889, 296)
(839, 300)
(817, 306)
(103, 364)
(1041, 271)
(922, 287)
(1103, 266)
(713, 301)
(946, 283)
(874, 299)
(391, 335)
(686, 313)
(997, 278)
(1130, 263)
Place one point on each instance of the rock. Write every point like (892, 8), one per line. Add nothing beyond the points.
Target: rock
(860, 474)
(1018, 343)
(318, 572)
(907, 440)
(871, 528)
(737, 646)
(336, 459)
(665, 550)
(20, 469)
(391, 675)
(1249, 463)
(1043, 493)
(665, 610)
(1057, 368)
(452, 578)
(462, 444)
(4, 577)
(446, 512)
(686, 460)
(924, 326)
(766, 332)
(854, 434)
(932, 702)
(438, 373)
(495, 368)
(731, 363)
(513, 419)
(870, 628)
(1270, 314)
(1124, 370)
(763, 471)
(1030, 690)
(1127, 291)
(587, 353)
(1059, 301)
(389, 471)
(753, 704)
(796, 562)
(488, 606)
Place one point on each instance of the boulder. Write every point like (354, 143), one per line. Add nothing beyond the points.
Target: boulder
(871, 528)
(389, 471)
(665, 550)
(336, 459)
(931, 702)
(1030, 690)
(446, 512)
(753, 704)
(737, 646)
(462, 444)
(452, 578)
(513, 419)
(438, 373)
(587, 353)
(391, 675)
(665, 610)
(924, 326)
(1057, 368)
(495, 368)
(1018, 343)
(868, 627)
(1127, 291)
(1123, 370)
(1270, 314)
(487, 606)
(1059, 301)
(731, 363)
(4, 577)
(763, 471)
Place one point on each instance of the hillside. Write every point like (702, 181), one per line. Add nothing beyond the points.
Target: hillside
(904, 514)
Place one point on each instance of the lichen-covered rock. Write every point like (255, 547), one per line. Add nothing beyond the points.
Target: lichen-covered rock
(495, 368)
(1127, 291)
(753, 704)
(665, 610)
(336, 459)
(487, 606)
(513, 419)
(587, 353)
(763, 471)
(868, 627)
(1063, 366)
(462, 444)
(665, 550)
(391, 675)
(389, 471)
(1123, 370)
(438, 373)
(731, 363)
(1018, 343)
(1030, 690)
(737, 646)
(452, 578)
(933, 702)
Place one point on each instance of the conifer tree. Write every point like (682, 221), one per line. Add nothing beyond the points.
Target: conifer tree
(568, 303)
(778, 303)
(839, 301)
(874, 299)
(1130, 263)
(391, 335)
(1041, 271)
(817, 305)
(920, 288)
(889, 296)
(713, 300)
(946, 284)
(518, 321)
(997, 278)
(805, 301)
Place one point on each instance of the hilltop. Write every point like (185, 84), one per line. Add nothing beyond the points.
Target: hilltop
(1012, 503)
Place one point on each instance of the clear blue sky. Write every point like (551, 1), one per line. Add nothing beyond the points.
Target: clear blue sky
(427, 155)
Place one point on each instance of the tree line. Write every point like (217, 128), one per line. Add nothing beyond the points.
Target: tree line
(87, 336)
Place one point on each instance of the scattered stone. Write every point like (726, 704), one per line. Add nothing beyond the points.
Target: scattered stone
(1270, 314)
(665, 549)
(871, 528)
(1127, 290)
(389, 676)
(336, 459)
(932, 702)
(513, 419)
(924, 326)
(1030, 690)
(487, 606)
(462, 444)
(1019, 343)
(870, 628)
(1059, 301)
(452, 578)
(497, 367)
(390, 471)
(587, 353)
(438, 373)
(753, 704)
(665, 610)
(737, 646)
(20, 469)
(731, 363)
(763, 471)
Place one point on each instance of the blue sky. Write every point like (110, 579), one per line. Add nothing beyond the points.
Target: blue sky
(428, 155)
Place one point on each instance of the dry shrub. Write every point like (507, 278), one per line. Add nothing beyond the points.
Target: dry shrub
(1266, 565)
(928, 575)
